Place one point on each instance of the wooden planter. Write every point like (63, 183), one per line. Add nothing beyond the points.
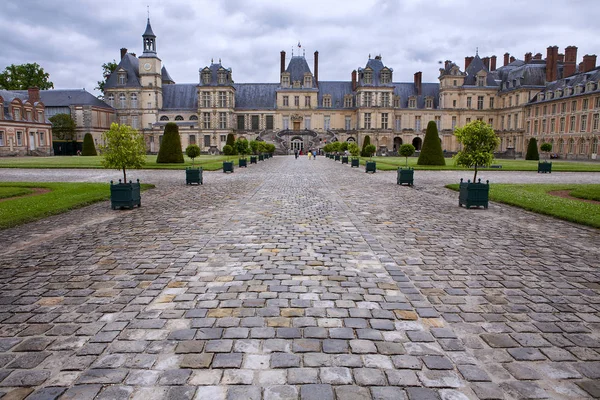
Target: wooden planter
(252, 159)
(371, 166)
(344, 159)
(261, 157)
(405, 176)
(474, 194)
(243, 163)
(337, 157)
(544, 167)
(355, 162)
(228, 166)
(193, 175)
(125, 195)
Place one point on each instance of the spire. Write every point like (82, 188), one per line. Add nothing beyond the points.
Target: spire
(149, 39)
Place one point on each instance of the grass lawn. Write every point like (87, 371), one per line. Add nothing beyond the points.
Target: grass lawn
(6, 192)
(61, 197)
(535, 197)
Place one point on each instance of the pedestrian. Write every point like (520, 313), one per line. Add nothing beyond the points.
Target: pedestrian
(309, 154)
(296, 153)
(314, 154)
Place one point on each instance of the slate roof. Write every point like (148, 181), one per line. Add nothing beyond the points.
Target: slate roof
(337, 90)
(376, 65)
(250, 96)
(214, 69)
(148, 31)
(67, 97)
(180, 96)
(297, 68)
(474, 68)
(10, 95)
(131, 65)
(530, 74)
(407, 89)
(166, 78)
(572, 81)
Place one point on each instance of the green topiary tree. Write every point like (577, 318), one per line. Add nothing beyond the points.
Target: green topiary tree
(124, 148)
(192, 151)
(344, 146)
(231, 142)
(478, 141)
(366, 142)
(370, 150)
(170, 148)
(336, 147)
(242, 147)
(270, 147)
(546, 148)
(353, 149)
(532, 150)
(228, 150)
(253, 146)
(431, 153)
(328, 148)
(407, 150)
(89, 149)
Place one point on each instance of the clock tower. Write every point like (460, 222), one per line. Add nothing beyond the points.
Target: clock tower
(150, 79)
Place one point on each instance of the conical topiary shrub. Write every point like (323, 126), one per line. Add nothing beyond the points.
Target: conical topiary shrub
(431, 152)
(170, 148)
(231, 142)
(532, 150)
(366, 142)
(89, 149)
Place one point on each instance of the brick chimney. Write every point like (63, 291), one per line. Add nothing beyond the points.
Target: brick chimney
(570, 61)
(282, 62)
(493, 63)
(354, 81)
(33, 94)
(486, 62)
(552, 64)
(512, 58)
(316, 68)
(123, 52)
(506, 55)
(589, 62)
(528, 57)
(418, 82)
(538, 56)
(468, 62)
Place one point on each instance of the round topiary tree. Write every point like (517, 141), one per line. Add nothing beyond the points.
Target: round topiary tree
(228, 150)
(370, 150)
(242, 146)
(406, 150)
(192, 151)
(431, 152)
(89, 149)
(123, 148)
(546, 148)
(532, 150)
(353, 149)
(170, 148)
(366, 142)
(478, 141)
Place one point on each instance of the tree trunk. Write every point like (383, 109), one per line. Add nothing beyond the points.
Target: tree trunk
(124, 176)
(475, 176)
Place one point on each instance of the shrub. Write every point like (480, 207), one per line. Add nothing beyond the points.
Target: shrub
(353, 149)
(336, 147)
(89, 149)
(344, 146)
(192, 152)
(254, 146)
(370, 150)
(431, 153)
(231, 142)
(170, 148)
(123, 148)
(241, 145)
(532, 151)
(328, 148)
(270, 148)
(406, 150)
(479, 142)
(366, 142)
(546, 148)
(228, 150)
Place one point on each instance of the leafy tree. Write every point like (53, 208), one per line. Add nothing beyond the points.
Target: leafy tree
(124, 148)
(262, 147)
(478, 141)
(25, 76)
(366, 142)
(170, 148)
(63, 126)
(231, 142)
(253, 146)
(407, 150)
(107, 69)
(89, 149)
(370, 150)
(228, 150)
(431, 153)
(344, 146)
(241, 145)
(546, 148)
(192, 151)
(336, 147)
(270, 148)
(353, 149)
(532, 151)
(327, 148)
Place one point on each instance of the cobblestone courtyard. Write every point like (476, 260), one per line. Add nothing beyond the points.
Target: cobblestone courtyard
(298, 279)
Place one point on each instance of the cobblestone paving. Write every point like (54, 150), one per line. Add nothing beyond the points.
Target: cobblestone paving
(298, 279)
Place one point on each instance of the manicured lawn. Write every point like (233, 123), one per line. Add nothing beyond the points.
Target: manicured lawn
(61, 197)
(208, 163)
(535, 197)
(6, 192)
(391, 163)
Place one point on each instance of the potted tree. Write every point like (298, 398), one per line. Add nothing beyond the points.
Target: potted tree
(193, 175)
(478, 141)
(253, 151)
(406, 175)
(354, 152)
(227, 164)
(545, 166)
(344, 148)
(369, 150)
(123, 148)
(242, 147)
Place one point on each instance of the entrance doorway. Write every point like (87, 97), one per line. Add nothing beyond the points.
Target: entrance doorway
(31, 141)
(417, 142)
(296, 144)
(397, 143)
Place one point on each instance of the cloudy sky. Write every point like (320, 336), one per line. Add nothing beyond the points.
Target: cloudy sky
(72, 39)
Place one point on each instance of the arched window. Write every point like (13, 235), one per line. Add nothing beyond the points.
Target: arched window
(122, 100)
(164, 118)
(595, 146)
(133, 100)
(561, 146)
(194, 118)
(111, 100)
(571, 146)
(179, 118)
(581, 146)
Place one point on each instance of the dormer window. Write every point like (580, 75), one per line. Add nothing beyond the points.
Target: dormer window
(386, 76)
(111, 100)
(590, 87)
(481, 80)
(368, 77)
(396, 101)
(429, 103)
(222, 77)
(327, 101)
(41, 116)
(296, 84)
(348, 101)
(17, 113)
(122, 77)
(285, 80)
(412, 102)
(206, 75)
(307, 80)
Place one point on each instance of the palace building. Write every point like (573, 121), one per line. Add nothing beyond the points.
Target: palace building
(552, 99)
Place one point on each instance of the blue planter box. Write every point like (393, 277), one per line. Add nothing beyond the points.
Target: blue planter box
(125, 195)
(473, 194)
(405, 176)
(261, 157)
(193, 175)
(371, 166)
(337, 157)
(544, 167)
(355, 162)
(228, 166)
(243, 163)
(252, 159)
(344, 159)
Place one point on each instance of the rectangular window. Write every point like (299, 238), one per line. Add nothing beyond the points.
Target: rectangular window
(543, 126)
(454, 103)
(348, 123)
(286, 101)
(491, 102)
(535, 127)
(269, 122)
(574, 106)
(508, 119)
(348, 101)
(453, 123)
(563, 108)
(223, 138)
(584, 104)
(438, 122)
(572, 124)
(206, 99)
(222, 99)
(597, 102)
(367, 99)
(596, 122)
(417, 123)
(192, 139)
(553, 109)
(206, 120)
(468, 102)
(206, 140)
(123, 120)
(562, 124)
(326, 122)
(285, 81)
(19, 138)
(306, 101)
(134, 122)
(306, 122)
(42, 135)
(491, 122)
(255, 122)
(222, 120)
(241, 122)
(385, 99)
(545, 110)
(384, 120)
(468, 121)
(412, 103)
(537, 111)
(398, 123)
(502, 122)
(1, 138)
(516, 120)
(528, 127)
(327, 102)
(480, 102)
(286, 122)
(297, 101)
(510, 101)
(367, 124)
(583, 123)
(552, 126)
(516, 100)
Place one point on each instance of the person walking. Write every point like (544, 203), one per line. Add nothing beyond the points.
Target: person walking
(296, 153)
